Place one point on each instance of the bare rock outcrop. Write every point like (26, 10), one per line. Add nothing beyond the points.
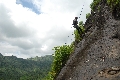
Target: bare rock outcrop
(97, 56)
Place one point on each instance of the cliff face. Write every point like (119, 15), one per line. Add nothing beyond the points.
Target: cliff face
(97, 56)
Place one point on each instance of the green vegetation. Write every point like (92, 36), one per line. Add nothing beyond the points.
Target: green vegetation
(94, 4)
(13, 68)
(60, 57)
(111, 3)
(98, 8)
(62, 54)
(88, 15)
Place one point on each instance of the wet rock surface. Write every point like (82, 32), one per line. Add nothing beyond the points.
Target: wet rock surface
(97, 56)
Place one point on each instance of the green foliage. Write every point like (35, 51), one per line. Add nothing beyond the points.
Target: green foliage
(14, 68)
(77, 36)
(98, 8)
(61, 55)
(113, 3)
(94, 4)
(81, 25)
(87, 15)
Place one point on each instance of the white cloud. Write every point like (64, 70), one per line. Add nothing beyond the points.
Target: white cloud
(33, 34)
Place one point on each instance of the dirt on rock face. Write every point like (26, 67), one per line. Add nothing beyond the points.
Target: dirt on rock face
(97, 56)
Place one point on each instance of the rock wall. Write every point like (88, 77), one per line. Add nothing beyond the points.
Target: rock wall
(97, 56)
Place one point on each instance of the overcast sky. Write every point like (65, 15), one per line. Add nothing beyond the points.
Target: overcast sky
(30, 28)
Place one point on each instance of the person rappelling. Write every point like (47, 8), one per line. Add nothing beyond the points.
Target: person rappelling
(75, 22)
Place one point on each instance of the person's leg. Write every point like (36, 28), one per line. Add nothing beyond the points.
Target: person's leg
(75, 26)
(82, 33)
(78, 28)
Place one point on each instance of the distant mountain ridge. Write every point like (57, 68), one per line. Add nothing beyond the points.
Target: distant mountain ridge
(14, 68)
(1, 54)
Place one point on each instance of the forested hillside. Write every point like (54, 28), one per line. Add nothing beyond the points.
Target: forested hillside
(13, 68)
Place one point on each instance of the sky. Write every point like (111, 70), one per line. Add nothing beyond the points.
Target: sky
(30, 28)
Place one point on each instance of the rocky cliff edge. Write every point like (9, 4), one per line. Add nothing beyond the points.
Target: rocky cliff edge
(97, 56)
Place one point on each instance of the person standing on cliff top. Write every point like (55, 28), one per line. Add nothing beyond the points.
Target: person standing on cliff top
(75, 22)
